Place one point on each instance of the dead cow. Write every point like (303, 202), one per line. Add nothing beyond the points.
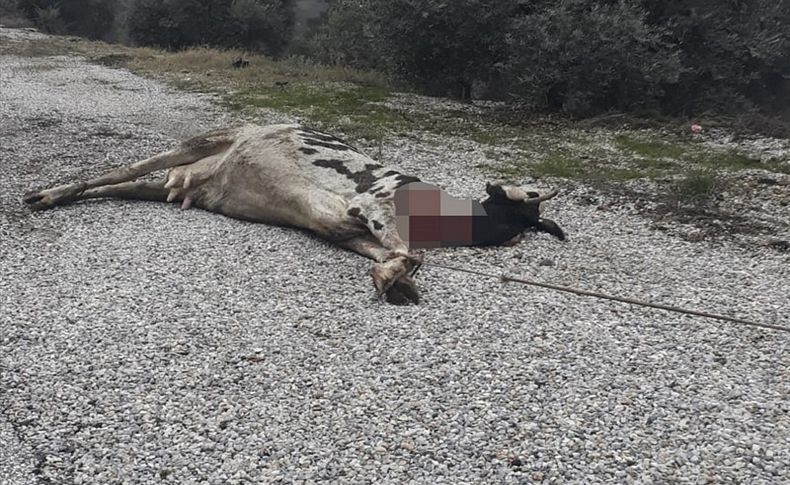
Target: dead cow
(296, 176)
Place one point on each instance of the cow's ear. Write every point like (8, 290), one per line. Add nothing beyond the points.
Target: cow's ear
(496, 191)
(506, 193)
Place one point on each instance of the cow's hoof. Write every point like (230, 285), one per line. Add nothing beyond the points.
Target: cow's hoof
(41, 200)
(403, 292)
(46, 199)
(393, 282)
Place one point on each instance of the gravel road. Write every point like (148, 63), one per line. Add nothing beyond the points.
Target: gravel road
(142, 344)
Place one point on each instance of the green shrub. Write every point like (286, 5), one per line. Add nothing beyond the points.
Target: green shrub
(48, 20)
(262, 25)
(584, 57)
(87, 18)
(441, 47)
(347, 37)
(697, 187)
(735, 54)
(265, 26)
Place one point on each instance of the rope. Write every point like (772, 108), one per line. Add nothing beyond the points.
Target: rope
(506, 279)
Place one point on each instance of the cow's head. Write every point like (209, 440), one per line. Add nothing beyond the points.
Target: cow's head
(520, 207)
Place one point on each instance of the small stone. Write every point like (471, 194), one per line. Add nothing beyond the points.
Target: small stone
(693, 236)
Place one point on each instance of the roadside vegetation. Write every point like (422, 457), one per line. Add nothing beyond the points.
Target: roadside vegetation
(357, 103)
(579, 57)
(576, 120)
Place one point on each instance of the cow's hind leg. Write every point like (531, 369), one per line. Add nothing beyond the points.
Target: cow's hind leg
(153, 191)
(187, 152)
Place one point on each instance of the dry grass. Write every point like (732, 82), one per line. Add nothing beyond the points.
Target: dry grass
(350, 101)
(199, 63)
(208, 61)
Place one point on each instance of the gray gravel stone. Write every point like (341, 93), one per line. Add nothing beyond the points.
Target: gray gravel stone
(141, 344)
(16, 459)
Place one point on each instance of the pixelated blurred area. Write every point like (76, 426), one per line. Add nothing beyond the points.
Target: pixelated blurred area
(429, 218)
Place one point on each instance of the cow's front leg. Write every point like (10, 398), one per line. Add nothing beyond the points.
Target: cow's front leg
(378, 214)
(395, 268)
(390, 273)
(393, 279)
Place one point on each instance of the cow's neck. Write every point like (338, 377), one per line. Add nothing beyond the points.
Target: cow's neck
(429, 218)
(500, 224)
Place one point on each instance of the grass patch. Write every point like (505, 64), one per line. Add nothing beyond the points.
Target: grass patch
(555, 165)
(734, 160)
(731, 160)
(623, 174)
(697, 186)
(483, 136)
(114, 60)
(324, 101)
(562, 165)
(558, 166)
(650, 149)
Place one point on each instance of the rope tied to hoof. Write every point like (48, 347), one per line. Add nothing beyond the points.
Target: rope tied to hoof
(509, 279)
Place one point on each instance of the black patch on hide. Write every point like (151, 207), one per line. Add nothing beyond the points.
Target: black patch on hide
(402, 180)
(316, 138)
(308, 133)
(383, 195)
(308, 151)
(379, 226)
(357, 212)
(332, 146)
(364, 179)
(338, 166)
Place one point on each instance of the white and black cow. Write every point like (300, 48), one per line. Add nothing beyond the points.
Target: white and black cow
(296, 176)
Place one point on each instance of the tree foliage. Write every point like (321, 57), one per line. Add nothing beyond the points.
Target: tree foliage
(88, 18)
(585, 57)
(348, 36)
(442, 46)
(576, 56)
(439, 46)
(262, 25)
(731, 51)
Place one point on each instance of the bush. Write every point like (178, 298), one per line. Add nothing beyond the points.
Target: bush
(735, 54)
(264, 25)
(347, 38)
(8, 7)
(683, 57)
(583, 57)
(441, 47)
(150, 23)
(260, 25)
(87, 18)
(48, 20)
